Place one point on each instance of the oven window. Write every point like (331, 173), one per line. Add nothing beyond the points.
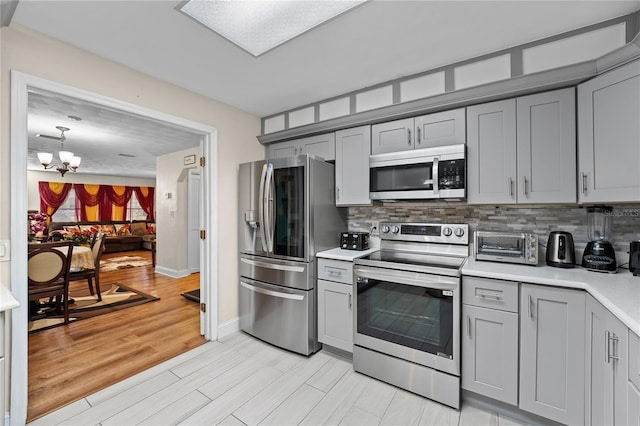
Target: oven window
(410, 316)
(402, 178)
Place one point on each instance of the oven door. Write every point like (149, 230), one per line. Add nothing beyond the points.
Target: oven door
(409, 315)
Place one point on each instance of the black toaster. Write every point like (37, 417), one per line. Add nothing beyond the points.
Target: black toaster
(354, 240)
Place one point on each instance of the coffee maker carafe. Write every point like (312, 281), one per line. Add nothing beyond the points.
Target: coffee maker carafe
(599, 254)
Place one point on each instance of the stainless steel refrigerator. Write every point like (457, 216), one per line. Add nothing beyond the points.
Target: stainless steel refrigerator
(287, 214)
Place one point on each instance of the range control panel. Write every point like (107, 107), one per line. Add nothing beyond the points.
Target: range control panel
(425, 232)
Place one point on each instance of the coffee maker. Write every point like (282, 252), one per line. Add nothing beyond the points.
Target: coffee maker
(599, 254)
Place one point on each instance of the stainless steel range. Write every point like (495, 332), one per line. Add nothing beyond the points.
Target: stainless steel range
(407, 309)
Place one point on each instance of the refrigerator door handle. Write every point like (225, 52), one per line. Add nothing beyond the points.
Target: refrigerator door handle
(269, 207)
(271, 292)
(261, 218)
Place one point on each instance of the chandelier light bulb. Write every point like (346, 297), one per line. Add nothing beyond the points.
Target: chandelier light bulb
(66, 157)
(45, 158)
(75, 162)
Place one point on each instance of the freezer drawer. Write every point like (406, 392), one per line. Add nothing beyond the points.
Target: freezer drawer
(282, 316)
(299, 275)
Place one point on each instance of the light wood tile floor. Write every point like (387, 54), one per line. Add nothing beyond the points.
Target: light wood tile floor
(240, 380)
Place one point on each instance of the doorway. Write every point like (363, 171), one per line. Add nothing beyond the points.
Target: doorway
(21, 84)
(193, 221)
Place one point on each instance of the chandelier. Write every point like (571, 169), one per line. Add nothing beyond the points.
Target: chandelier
(68, 160)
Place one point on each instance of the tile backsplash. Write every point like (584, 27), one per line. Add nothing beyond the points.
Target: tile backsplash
(625, 224)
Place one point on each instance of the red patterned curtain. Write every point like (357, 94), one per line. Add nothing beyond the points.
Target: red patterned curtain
(115, 201)
(88, 200)
(52, 195)
(146, 198)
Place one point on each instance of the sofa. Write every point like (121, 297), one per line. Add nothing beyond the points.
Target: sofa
(120, 235)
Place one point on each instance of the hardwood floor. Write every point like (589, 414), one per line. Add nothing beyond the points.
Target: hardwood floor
(240, 380)
(70, 362)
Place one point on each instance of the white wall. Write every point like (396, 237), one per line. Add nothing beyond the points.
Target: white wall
(171, 213)
(35, 176)
(35, 54)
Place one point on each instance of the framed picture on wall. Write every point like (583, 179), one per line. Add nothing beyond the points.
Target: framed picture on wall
(190, 159)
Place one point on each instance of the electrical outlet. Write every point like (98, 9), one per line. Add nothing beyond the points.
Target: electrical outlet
(172, 214)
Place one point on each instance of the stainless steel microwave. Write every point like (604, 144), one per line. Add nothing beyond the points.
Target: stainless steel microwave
(437, 172)
(509, 247)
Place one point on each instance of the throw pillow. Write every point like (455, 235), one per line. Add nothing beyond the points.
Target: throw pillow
(151, 227)
(71, 228)
(122, 228)
(107, 230)
(139, 228)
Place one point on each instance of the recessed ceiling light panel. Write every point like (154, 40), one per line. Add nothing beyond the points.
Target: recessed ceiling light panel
(259, 26)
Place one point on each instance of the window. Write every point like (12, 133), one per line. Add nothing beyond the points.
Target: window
(135, 211)
(67, 211)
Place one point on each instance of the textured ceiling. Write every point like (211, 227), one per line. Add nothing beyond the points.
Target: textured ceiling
(100, 136)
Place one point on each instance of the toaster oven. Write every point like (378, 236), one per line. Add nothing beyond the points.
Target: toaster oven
(509, 247)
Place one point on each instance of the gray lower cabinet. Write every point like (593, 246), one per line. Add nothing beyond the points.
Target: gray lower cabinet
(522, 150)
(490, 338)
(353, 147)
(2, 366)
(606, 367)
(633, 384)
(335, 303)
(608, 134)
(321, 146)
(552, 353)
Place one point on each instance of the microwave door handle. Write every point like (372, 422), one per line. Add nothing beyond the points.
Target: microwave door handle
(270, 207)
(435, 175)
(262, 224)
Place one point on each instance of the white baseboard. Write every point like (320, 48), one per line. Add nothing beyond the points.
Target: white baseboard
(228, 327)
(172, 272)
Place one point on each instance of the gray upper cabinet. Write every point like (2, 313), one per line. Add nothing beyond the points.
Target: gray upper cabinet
(392, 136)
(353, 147)
(606, 367)
(437, 129)
(491, 153)
(609, 136)
(523, 150)
(323, 146)
(552, 353)
(441, 128)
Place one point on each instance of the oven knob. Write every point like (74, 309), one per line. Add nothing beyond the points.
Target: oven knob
(384, 229)
(459, 232)
(447, 232)
(395, 229)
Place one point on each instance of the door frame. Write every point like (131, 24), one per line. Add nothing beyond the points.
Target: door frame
(21, 83)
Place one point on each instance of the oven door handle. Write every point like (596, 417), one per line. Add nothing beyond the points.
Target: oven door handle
(436, 282)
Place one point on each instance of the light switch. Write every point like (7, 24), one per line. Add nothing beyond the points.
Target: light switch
(5, 250)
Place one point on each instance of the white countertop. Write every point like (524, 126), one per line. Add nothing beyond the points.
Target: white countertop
(341, 254)
(7, 301)
(619, 293)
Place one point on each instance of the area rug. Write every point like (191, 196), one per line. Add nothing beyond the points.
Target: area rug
(115, 296)
(123, 262)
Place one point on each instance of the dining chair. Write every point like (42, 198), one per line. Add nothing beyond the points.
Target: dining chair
(97, 247)
(48, 274)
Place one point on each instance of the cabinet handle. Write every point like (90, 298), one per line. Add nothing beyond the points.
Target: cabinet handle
(524, 185)
(337, 192)
(510, 187)
(468, 326)
(488, 296)
(583, 177)
(612, 339)
(530, 303)
(350, 295)
(418, 135)
(409, 136)
(332, 272)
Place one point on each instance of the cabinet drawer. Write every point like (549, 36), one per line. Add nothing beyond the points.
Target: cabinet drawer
(488, 293)
(335, 270)
(634, 359)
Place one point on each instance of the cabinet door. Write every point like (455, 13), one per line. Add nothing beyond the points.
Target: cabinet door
(608, 135)
(283, 149)
(441, 128)
(353, 147)
(490, 353)
(335, 315)
(323, 146)
(491, 153)
(633, 405)
(546, 147)
(392, 136)
(598, 373)
(552, 353)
